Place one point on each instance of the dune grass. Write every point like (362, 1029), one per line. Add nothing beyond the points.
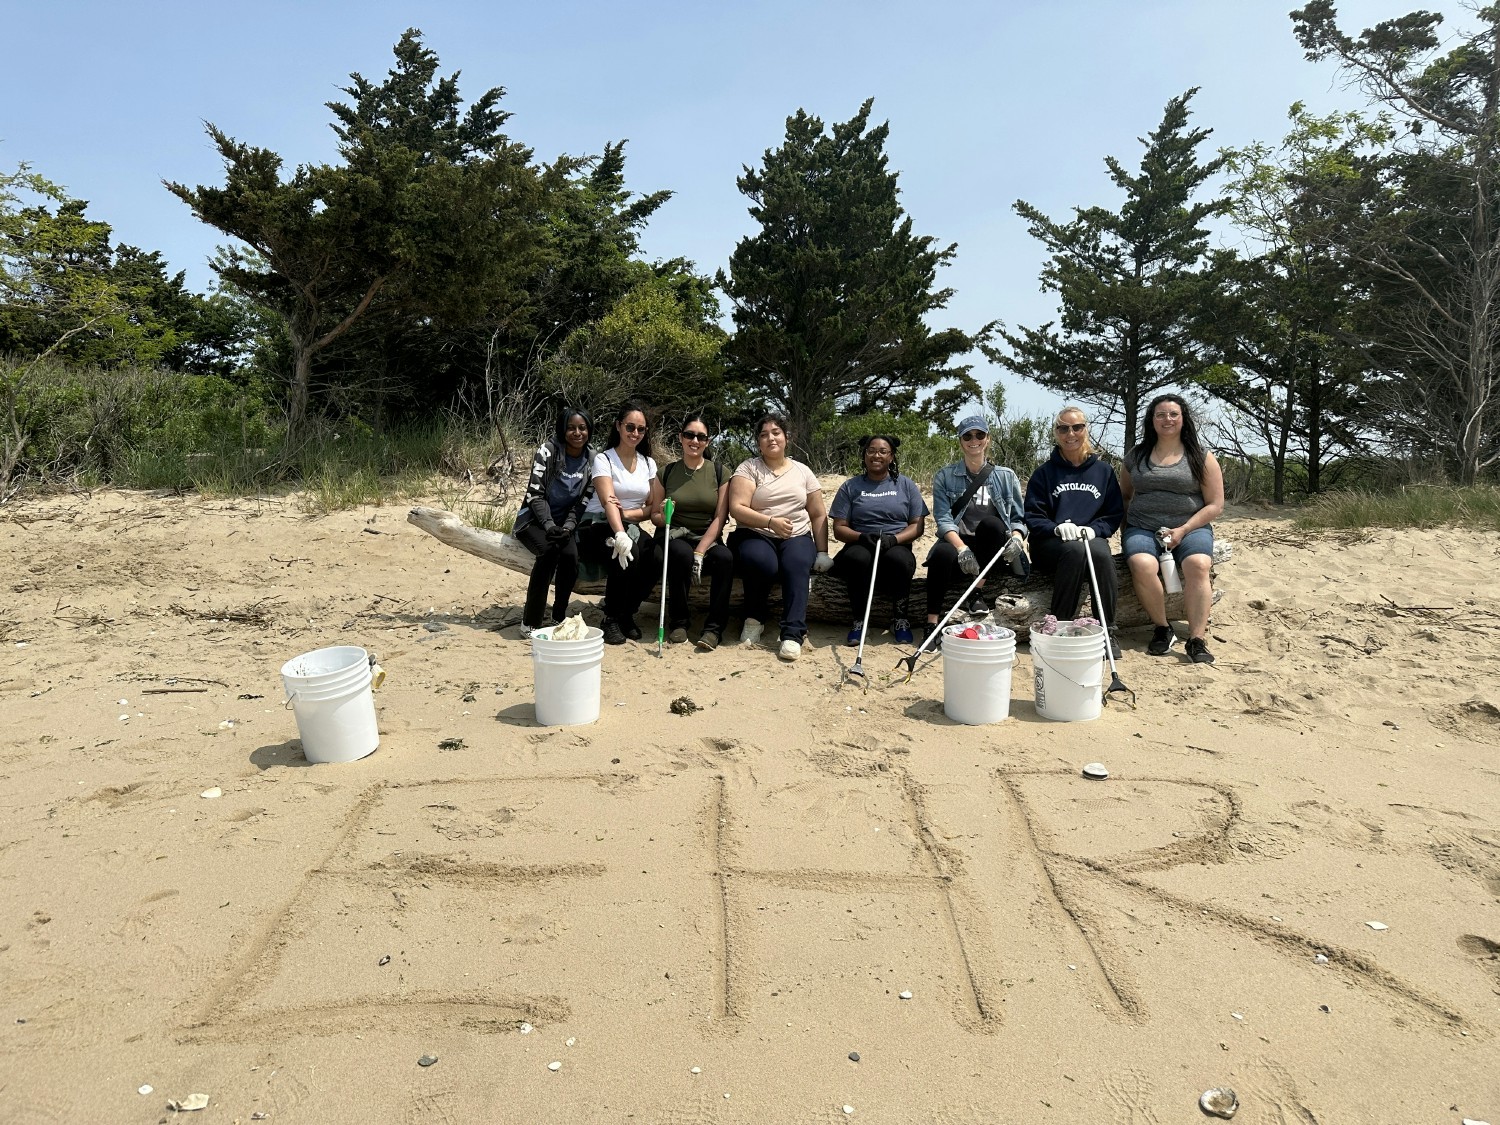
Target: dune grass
(1412, 506)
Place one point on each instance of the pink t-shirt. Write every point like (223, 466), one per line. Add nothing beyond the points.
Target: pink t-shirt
(781, 494)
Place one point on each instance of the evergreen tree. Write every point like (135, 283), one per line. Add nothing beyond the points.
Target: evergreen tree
(1127, 281)
(831, 296)
(1280, 319)
(433, 214)
(1429, 234)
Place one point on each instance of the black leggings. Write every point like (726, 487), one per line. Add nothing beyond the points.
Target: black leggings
(624, 589)
(718, 568)
(1070, 574)
(897, 565)
(943, 571)
(552, 557)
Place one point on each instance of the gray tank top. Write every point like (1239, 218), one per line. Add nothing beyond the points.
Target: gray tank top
(1165, 495)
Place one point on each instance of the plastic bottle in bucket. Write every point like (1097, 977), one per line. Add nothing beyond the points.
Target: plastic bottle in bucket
(1068, 669)
(977, 662)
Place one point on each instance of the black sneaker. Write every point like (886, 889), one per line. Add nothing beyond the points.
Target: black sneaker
(1197, 650)
(613, 634)
(1114, 649)
(1163, 639)
(976, 604)
(633, 631)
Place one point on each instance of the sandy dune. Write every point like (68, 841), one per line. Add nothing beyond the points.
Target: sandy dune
(750, 890)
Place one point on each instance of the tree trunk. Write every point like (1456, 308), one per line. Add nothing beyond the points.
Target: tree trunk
(1016, 602)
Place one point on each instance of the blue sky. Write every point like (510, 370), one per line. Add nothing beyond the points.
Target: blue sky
(988, 102)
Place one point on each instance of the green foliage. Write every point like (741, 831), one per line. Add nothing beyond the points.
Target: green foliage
(659, 342)
(431, 216)
(1279, 320)
(831, 295)
(1127, 281)
(1425, 229)
(1476, 507)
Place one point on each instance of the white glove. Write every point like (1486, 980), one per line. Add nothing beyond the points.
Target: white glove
(967, 562)
(1012, 549)
(1086, 533)
(1067, 532)
(823, 563)
(623, 548)
(677, 533)
(697, 569)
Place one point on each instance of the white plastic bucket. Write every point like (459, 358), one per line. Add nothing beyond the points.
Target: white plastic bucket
(324, 667)
(976, 678)
(567, 677)
(1069, 675)
(330, 692)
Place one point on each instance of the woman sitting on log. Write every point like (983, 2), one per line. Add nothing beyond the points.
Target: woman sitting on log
(559, 488)
(977, 507)
(1073, 505)
(1173, 492)
(782, 534)
(878, 507)
(699, 491)
(625, 491)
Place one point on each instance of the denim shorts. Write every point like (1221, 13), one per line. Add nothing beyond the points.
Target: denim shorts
(1140, 541)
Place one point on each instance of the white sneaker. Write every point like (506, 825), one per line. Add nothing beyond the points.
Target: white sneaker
(790, 650)
(750, 633)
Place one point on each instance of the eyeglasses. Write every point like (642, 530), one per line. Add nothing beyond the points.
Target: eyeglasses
(1076, 428)
(692, 435)
(632, 428)
(1164, 415)
(973, 435)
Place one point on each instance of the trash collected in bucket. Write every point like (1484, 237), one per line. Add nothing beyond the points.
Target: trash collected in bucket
(567, 673)
(573, 629)
(1068, 668)
(977, 661)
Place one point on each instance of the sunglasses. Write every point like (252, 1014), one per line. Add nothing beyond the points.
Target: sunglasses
(1077, 428)
(692, 435)
(973, 435)
(632, 428)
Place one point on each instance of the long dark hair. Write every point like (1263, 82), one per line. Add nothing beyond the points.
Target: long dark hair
(630, 406)
(698, 416)
(893, 442)
(1141, 451)
(561, 437)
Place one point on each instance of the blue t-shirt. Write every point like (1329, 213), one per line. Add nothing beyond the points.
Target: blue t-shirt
(878, 507)
(564, 489)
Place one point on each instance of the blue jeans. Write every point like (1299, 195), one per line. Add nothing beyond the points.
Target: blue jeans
(1141, 541)
(760, 560)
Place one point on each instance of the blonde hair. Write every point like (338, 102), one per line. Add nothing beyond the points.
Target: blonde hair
(1088, 442)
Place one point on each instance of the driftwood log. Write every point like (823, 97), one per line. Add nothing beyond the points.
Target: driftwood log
(1015, 602)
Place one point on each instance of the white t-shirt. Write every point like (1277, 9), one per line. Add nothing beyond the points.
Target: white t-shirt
(781, 494)
(631, 489)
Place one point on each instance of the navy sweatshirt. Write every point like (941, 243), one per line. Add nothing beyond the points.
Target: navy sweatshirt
(1087, 494)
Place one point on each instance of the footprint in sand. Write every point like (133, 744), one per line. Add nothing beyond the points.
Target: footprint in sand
(1483, 950)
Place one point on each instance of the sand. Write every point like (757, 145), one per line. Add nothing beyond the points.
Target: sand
(750, 890)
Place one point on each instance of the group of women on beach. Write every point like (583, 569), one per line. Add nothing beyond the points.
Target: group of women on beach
(589, 509)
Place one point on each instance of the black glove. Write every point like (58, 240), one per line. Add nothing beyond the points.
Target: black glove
(887, 542)
(868, 541)
(556, 534)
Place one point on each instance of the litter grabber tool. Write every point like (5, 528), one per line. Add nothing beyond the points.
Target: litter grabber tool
(1115, 683)
(666, 554)
(937, 630)
(864, 630)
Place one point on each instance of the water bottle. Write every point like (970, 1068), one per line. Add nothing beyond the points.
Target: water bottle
(1171, 581)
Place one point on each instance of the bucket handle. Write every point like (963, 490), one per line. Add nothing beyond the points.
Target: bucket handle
(290, 700)
(1058, 671)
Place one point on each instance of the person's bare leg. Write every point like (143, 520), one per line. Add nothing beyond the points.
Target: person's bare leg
(1145, 576)
(1197, 593)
